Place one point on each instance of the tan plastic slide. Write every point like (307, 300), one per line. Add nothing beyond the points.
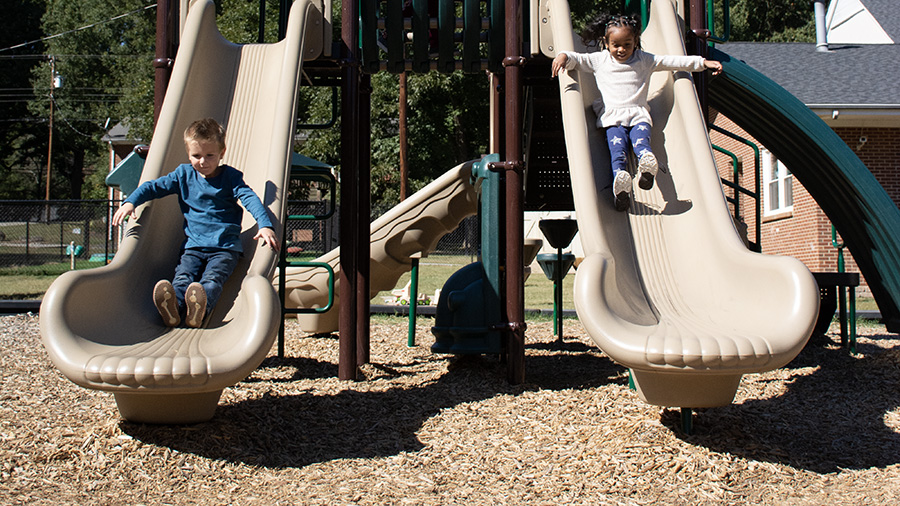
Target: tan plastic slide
(100, 326)
(667, 288)
(411, 228)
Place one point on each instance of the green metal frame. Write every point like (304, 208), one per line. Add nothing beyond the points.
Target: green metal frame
(283, 263)
(840, 247)
(757, 193)
(334, 114)
(641, 7)
(413, 301)
(309, 175)
(711, 22)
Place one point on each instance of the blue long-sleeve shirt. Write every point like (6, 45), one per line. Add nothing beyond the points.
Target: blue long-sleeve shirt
(212, 216)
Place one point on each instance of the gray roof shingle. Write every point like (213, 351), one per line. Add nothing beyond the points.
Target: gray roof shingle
(848, 75)
(863, 75)
(888, 15)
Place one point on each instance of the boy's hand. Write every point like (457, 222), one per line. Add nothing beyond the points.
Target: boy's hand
(123, 212)
(559, 63)
(713, 65)
(268, 236)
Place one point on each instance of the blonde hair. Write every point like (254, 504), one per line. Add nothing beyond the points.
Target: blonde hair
(206, 129)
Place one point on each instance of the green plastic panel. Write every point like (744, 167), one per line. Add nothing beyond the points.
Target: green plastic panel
(471, 35)
(368, 36)
(420, 36)
(393, 34)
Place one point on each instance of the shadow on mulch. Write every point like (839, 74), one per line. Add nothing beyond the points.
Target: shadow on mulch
(829, 420)
(297, 430)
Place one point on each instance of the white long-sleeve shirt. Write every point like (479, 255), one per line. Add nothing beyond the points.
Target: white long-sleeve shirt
(624, 86)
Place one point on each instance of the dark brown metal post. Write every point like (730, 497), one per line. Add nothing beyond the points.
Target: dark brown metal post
(349, 214)
(165, 53)
(697, 45)
(364, 184)
(515, 292)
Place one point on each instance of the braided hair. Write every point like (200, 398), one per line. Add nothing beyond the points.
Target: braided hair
(594, 33)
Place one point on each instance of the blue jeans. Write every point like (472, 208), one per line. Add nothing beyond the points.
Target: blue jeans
(211, 268)
(619, 137)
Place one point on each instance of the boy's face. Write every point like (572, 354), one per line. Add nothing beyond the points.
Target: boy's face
(621, 43)
(205, 156)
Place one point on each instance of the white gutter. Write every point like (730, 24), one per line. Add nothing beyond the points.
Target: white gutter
(855, 115)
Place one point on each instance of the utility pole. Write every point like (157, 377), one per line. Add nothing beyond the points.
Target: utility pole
(55, 82)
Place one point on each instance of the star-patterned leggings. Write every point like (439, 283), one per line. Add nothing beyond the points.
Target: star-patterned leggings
(620, 136)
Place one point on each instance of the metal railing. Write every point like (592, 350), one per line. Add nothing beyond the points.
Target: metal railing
(51, 237)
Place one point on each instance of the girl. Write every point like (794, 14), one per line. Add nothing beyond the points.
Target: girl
(622, 71)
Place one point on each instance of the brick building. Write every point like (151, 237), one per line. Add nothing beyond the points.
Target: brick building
(854, 87)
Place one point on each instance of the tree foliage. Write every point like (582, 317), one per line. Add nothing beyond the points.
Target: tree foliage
(447, 125)
(107, 74)
(772, 20)
(22, 138)
(106, 77)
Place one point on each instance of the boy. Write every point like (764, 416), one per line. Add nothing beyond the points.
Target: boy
(208, 195)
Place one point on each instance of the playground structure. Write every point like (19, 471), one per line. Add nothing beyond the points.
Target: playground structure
(666, 289)
(102, 336)
(414, 226)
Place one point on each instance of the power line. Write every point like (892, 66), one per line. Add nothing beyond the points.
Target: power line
(92, 25)
(40, 56)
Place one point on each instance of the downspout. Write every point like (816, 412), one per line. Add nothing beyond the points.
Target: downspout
(821, 39)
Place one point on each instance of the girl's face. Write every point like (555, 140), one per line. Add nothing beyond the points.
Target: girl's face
(621, 42)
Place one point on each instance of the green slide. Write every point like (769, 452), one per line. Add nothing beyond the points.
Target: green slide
(864, 214)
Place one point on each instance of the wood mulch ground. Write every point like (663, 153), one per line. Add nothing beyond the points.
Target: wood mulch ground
(427, 429)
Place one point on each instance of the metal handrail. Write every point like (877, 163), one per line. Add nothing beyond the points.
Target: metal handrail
(711, 21)
(283, 263)
(757, 180)
(309, 175)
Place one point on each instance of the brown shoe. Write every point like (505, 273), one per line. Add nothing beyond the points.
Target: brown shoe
(195, 300)
(164, 299)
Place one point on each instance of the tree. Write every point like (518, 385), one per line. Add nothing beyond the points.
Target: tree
(448, 124)
(22, 139)
(771, 20)
(105, 70)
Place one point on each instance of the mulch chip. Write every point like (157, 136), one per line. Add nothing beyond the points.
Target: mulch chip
(426, 429)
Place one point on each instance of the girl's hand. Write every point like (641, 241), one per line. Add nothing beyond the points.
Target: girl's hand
(123, 212)
(559, 63)
(268, 236)
(713, 65)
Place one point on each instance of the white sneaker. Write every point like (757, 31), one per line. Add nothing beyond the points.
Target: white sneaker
(622, 183)
(647, 167)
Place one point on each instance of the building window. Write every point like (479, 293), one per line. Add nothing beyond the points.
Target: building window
(778, 195)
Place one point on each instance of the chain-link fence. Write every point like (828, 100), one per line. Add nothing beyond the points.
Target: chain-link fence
(459, 247)
(51, 237)
(44, 237)
(309, 239)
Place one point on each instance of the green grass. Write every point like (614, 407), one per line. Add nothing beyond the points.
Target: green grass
(434, 271)
(24, 287)
(866, 304)
(21, 283)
